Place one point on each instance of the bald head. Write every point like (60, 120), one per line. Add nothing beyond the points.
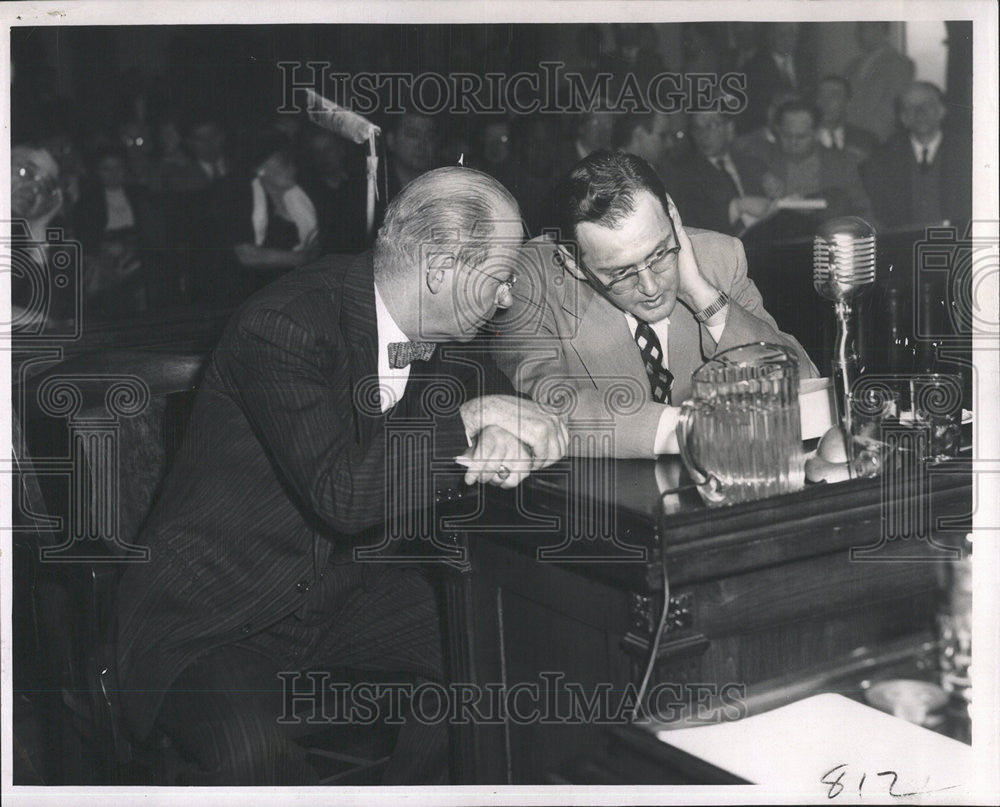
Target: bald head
(442, 255)
(451, 204)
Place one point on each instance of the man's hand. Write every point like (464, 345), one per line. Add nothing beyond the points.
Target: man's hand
(693, 290)
(543, 433)
(498, 458)
(757, 206)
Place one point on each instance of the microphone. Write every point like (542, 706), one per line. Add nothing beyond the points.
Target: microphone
(843, 271)
(356, 128)
(339, 120)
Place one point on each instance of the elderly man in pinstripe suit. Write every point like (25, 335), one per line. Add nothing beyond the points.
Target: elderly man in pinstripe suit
(286, 462)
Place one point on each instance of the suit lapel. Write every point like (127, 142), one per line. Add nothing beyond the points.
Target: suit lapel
(603, 342)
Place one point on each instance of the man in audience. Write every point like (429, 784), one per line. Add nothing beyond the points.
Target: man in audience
(805, 169)
(834, 132)
(592, 130)
(287, 462)
(650, 135)
(876, 77)
(596, 323)
(36, 202)
(924, 174)
(718, 188)
(762, 143)
(411, 140)
(772, 72)
(495, 151)
(206, 140)
(744, 43)
(337, 191)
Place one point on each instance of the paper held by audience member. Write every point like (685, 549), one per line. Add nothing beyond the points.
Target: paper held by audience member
(801, 203)
(831, 748)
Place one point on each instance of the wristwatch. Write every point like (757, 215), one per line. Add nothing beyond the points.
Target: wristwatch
(712, 308)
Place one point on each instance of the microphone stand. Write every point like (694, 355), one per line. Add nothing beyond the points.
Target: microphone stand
(845, 367)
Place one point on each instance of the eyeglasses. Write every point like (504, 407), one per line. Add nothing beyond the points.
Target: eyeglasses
(659, 262)
(504, 296)
(31, 173)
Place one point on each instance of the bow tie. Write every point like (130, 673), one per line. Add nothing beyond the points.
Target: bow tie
(402, 353)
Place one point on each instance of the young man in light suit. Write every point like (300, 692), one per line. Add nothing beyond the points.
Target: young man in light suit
(594, 314)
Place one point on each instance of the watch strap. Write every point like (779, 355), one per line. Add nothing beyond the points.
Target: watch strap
(712, 308)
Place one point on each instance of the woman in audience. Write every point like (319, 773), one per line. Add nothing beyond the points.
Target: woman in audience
(269, 222)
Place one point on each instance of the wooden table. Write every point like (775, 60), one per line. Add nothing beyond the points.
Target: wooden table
(558, 586)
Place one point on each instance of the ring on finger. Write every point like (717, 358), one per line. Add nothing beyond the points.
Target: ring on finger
(503, 472)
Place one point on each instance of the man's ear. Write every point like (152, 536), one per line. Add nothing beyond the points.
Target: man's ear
(435, 278)
(565, 258)
(438, 265)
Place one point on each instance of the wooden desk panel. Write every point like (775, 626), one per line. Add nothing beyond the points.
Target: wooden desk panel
(760, 591)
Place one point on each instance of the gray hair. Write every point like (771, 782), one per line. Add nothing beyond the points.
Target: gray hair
(447, 206)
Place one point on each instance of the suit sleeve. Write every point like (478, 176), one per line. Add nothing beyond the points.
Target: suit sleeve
(297, 395)
(748, 320)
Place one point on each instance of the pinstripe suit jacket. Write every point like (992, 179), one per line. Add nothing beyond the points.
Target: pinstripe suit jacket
(284, 459)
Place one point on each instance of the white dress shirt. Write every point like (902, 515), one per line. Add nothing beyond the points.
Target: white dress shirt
(666, 441)
(391, 380)
(931, 147)
(120, 214)
(832, 138)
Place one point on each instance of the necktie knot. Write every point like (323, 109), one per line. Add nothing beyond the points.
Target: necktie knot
(925, 158)
(402, 354)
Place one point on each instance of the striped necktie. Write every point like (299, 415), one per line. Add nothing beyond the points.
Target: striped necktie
(660, 378)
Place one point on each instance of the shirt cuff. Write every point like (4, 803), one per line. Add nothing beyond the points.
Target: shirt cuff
(665, 441)
(717, 330)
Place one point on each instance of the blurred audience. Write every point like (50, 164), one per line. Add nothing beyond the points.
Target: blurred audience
(650, 135)
(36, 201)
(411, 141)
(36, 194)
(772, 72)
(834, 132)
(641, 52)
(762, 143)
(268, 221)
(877, 77)
(496, 155)
(122, 234)
(164, 200)
(718, 188)
(592, 130)
(803, 168)
(922, 175)
(535, 169)
(744, 44)
(336, 186)
(206, 140)
(702, 47)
